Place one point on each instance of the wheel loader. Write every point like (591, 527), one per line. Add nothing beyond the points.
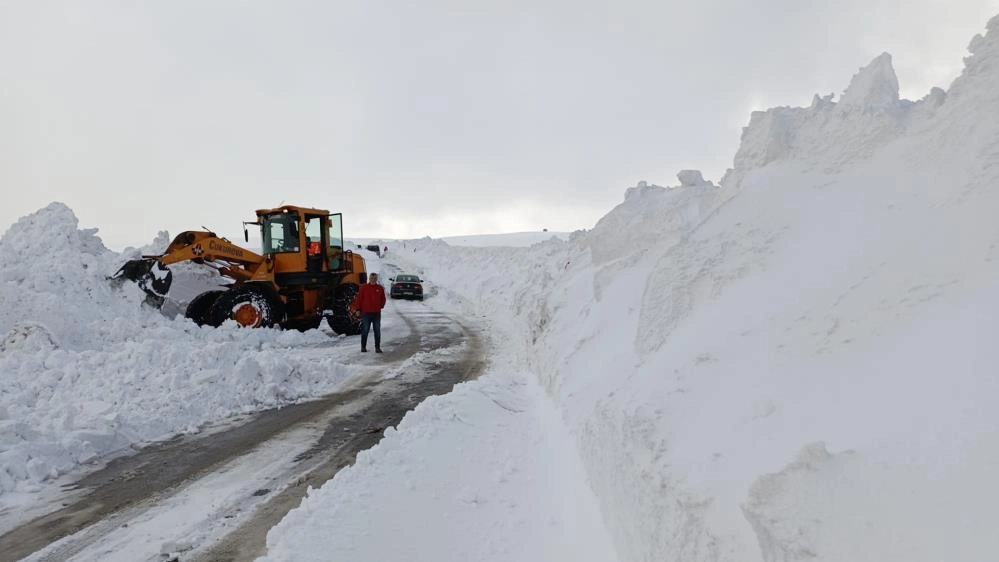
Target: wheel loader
(303, 275)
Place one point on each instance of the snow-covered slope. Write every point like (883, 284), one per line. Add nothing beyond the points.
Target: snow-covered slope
(797, 365)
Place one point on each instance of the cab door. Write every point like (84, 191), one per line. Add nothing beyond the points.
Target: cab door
(317, 260)
(335, 238)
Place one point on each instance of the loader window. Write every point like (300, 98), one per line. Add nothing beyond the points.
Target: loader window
(280, 233)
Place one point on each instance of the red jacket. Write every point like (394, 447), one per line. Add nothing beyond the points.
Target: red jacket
(370, 299)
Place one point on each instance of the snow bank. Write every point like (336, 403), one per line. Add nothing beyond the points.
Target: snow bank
(798, 365)
(88, 369)
(482, 473)
(48, 268)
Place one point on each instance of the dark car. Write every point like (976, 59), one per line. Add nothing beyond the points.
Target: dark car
(406, 287)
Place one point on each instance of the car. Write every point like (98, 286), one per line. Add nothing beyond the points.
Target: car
(374, 248)
(406, 286)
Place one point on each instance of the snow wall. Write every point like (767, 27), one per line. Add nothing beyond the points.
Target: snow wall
(798, 364)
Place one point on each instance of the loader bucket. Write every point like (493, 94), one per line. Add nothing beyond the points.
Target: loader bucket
(151, 276)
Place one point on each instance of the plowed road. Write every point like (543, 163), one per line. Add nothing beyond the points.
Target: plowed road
(213, 496)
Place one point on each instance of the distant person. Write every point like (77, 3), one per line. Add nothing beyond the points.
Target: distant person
(369, 302)
(385, 249)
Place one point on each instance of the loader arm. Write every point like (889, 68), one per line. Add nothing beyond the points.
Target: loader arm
(153, 275)
(199, 246)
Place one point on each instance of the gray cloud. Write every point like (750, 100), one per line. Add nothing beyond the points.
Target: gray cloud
(424, 118)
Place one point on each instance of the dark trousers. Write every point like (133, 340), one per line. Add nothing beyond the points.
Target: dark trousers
(372, 320)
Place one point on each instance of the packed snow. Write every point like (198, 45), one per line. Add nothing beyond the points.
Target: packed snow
(796, 364)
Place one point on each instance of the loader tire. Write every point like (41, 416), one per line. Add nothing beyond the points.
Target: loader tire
(250, 306)
(303, 325)
(344, 321)
(200, 307)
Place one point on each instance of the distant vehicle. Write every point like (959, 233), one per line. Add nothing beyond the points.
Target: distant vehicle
(374, 248)
(406, 287)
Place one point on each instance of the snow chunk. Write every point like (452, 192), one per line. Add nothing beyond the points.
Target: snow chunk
(641, 188)
(691, 178)
(820, 102)
(980, 43)
(984, 58)
(935, 98)
(874, 87)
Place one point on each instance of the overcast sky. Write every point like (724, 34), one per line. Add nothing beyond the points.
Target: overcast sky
(416, 118)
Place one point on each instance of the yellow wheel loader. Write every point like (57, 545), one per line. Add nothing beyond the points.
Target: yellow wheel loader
(303, 275)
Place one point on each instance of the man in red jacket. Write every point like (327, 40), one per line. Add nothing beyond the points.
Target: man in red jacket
(370, 301)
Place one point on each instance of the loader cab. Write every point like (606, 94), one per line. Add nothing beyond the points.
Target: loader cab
(299, 239)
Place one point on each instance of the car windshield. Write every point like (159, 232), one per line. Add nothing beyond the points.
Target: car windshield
(407, 279)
